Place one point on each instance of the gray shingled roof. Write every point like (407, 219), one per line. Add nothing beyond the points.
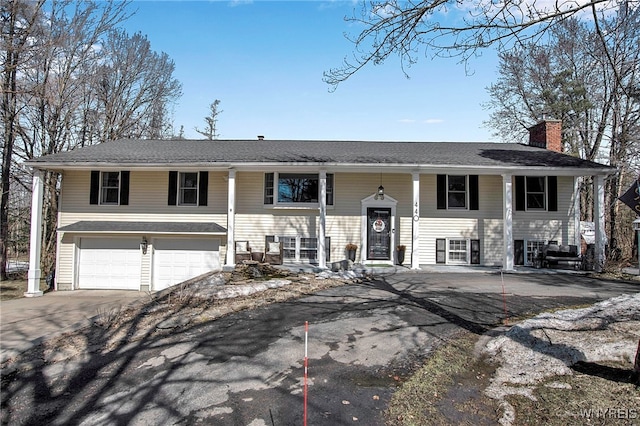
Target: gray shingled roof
(236, 152)
(145, 227)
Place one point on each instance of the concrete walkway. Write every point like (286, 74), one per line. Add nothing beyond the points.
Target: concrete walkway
(28, 321)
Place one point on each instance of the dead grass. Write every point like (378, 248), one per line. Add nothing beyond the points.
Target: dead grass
(600, 394)
(447, 390)
(16, 286)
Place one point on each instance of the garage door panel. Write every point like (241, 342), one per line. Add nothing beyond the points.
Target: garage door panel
(109, 264)
(177, 260)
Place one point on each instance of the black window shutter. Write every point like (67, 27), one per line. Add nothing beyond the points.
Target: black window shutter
(329, 189)
(475, 252)
(441, 190)
(269, 188)
(173, 188)
(518, 252)
(520, 193)
(124, 188)
(441, 250)
(94, 193)
(474, 197)
(203, 188)
(552, 196)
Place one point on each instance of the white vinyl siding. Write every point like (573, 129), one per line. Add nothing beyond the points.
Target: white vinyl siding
(484, 224)
(549, 226)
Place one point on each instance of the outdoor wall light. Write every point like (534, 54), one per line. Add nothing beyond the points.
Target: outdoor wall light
(380, 193)
(144, 244)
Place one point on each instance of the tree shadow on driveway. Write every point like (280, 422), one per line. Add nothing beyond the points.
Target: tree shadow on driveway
(132, 371)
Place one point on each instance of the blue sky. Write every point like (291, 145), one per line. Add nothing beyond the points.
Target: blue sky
(264, 60)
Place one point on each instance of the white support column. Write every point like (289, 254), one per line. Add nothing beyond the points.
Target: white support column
(35, 245)
(322, 225)
(576, 212)
(598, 218)
(507, 219)
(231, 219)
(415, 229)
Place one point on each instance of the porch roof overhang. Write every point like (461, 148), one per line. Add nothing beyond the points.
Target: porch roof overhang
(121, 227)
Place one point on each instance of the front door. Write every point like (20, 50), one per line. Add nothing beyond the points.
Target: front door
(378, 233)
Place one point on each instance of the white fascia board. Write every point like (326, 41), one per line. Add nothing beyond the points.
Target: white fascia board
(130, 166)
(331, 168)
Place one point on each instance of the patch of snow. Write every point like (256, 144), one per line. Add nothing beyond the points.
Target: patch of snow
(344, 275)
(550, 343)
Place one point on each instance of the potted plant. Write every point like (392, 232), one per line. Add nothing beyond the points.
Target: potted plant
(401, 250)
(351, 251)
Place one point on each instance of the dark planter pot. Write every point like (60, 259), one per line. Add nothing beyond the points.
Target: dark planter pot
(351, 255)
(400, 257)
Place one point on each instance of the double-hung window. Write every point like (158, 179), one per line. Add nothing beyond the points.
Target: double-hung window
(188, 188)
(457, 251)
(457, 192)
(536, 193)
(109, 188)
(295, 189)
(535, 187)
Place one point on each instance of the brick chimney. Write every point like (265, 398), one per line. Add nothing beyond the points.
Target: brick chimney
(547, 134)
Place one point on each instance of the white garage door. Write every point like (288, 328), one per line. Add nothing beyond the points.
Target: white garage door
(109, 263)
(177, 260)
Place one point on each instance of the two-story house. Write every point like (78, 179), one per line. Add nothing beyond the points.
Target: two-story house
(147, 214)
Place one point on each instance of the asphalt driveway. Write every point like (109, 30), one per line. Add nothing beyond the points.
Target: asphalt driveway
(247, 368)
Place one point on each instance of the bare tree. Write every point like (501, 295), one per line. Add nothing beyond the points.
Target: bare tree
(71, 78)
(448, 28)
(135, 86)
(19, 22)
(590, 87)
(210, 130)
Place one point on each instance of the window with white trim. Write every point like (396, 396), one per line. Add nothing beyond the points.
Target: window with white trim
(458, 251)
(533, 247)
(188, 189)
(535, 189)
(290, 189)
(109, 188)
(456, 191)
(300, 248)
